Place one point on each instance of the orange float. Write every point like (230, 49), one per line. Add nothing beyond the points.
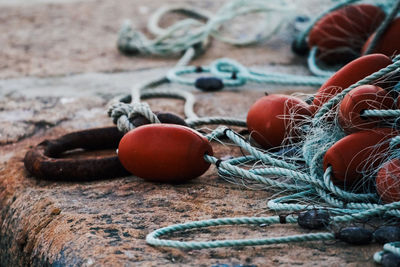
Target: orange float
(348, 75)
(362, 98)
(388, 181)
(389, 43)
(341, 34)
(164, 153)
(275, 117)
(356, 154)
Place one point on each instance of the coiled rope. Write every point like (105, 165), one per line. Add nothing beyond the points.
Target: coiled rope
(305, 182)
(194, 33)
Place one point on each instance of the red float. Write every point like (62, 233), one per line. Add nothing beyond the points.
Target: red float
(362, 98)
(388, 181)
(164, 153)
(358, 153)
(274, 118)
(341, 34)
(348, 75)
(389, 43)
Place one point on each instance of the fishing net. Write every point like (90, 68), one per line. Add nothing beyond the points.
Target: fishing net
(293, 171)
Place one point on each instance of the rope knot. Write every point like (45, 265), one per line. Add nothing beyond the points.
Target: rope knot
(123, 114)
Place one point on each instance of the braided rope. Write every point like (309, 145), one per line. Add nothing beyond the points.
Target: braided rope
(393, 247)
(224, 68)
(216, 121)
(381, 113)
(315, 185)
(194, 33)
(153, 237)
(264, 157)
(313, 66)
(233, 170)
(369, 79)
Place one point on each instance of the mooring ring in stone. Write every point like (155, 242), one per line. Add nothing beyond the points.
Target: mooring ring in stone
(45, 161)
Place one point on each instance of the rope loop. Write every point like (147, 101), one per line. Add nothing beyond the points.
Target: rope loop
(196, 30)
(153, 237)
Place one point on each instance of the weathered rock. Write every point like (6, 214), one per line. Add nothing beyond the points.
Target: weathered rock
(105, 222)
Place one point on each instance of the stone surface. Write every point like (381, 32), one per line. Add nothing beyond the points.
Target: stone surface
(64, 46)
(105, 222)
(48, 37)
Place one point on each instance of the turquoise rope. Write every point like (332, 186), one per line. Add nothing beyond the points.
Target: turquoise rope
(264, 157)
(233, 170)
(367, 80)
(340, 202)
(315, 186)
(392, 247)
(313, 66)
(394, 142)
(381, 113)
(223, 69)
(153, 238)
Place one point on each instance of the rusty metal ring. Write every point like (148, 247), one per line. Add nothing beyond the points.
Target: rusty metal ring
(45, 161)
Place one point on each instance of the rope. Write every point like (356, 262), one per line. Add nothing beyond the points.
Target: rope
(225, 68)
(347, 205)
(313, 66)
(367, 80)
(194, 33)
(153, 238)
(302, 174)
(122, 114)
(380, 113)
(392, 247)
(383, 27)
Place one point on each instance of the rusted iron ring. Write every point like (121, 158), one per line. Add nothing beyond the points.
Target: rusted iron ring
(45, 161)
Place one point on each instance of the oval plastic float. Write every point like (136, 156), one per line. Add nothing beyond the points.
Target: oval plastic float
(389, 43)
(164, 153)
(357, 153)
(274, 118)
(341, 34)
(348, 75)
(388, 181)
(359, 99)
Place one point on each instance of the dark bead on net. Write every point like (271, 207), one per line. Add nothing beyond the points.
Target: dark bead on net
(234, 75)
(355, 235)
(209, 84)
(390, 260)
(313, 219)
(386, 234)
(300, 50)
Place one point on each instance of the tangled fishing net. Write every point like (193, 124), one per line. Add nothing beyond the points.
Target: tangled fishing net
(295, 169)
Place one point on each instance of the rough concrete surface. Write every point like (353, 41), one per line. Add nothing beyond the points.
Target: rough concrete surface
(60, 68)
